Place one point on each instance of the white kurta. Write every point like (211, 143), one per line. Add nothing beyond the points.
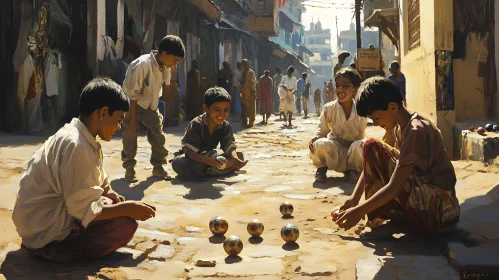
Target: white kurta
(287, 98)
(63, 182)
(341, 140)
(144, 80)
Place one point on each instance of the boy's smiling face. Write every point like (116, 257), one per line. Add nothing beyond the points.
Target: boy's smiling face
(386, 119)
(217, 112)
(344, 89)
(109, 124)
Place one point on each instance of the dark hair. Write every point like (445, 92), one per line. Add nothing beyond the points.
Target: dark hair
(291, 69)
(266, 72)
(103, 92)
(216, 94)
(278, 69)
(351, 74)
(375, 94)
(394, 65)
(304, 75)
(172, 45)
(239, 64)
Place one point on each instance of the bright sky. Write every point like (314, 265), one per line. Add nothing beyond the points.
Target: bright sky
(326, 11)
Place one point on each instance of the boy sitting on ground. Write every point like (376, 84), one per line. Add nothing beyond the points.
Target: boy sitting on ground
(338, 142)
(412, 183)
(202, 137)
(65, 206)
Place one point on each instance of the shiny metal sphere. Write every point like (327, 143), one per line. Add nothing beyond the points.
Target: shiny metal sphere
(290, 233)
(218, 225)
(255, 228)
(223, 160)
(233, 245)
(286, 209)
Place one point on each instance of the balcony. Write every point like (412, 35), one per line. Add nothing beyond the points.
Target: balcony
(263, 17)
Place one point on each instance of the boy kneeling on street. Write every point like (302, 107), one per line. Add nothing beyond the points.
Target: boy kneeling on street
(411, 184)
(65, 206)
(202, 136)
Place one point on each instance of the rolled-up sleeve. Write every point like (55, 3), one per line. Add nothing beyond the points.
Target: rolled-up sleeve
(228, 142)
(81, 181)
(192, 137)
(134, 80)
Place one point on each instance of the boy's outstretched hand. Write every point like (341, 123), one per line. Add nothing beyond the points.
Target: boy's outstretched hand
(140, 211)
(349, 218)
(237, 163)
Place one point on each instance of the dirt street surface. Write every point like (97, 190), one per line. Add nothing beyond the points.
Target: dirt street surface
(170, 245)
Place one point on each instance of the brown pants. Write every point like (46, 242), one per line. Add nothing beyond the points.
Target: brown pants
(152, 121)
(100, 238)
(249, 112)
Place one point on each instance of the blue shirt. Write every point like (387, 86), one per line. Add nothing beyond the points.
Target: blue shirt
(300, 86)
(400, 83)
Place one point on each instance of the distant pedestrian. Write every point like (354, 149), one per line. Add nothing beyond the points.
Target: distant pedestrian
(194, 95)
(398, 78)
(265, 95)
(277, 81)
(287, 95)
(331, 92)
(237, 79)
(224, 76)
(317, 101)
(248, 94)
(305, 95)
(341, 60)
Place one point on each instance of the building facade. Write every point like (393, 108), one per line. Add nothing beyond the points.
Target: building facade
(318, 40)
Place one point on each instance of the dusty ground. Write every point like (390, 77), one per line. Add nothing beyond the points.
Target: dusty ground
(168, 246)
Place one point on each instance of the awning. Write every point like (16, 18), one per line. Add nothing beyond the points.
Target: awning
(305, 50)
(387, 20)
(208, 8)
(227, 24)
(286, 23)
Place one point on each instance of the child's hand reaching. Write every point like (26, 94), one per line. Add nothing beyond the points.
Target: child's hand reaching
(237, 163)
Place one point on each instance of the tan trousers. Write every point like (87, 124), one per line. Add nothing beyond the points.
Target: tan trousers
(337, 156)
(152, 121)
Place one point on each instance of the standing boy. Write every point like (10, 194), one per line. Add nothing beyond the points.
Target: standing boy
(248, 93)
(265, 85)
(145, 78)
(202, 137)
(236, 94)
(412, 184)
(65, 207)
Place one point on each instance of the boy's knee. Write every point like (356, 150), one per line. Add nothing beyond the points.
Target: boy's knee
(178, 164)
(324, 143)
(127, 227)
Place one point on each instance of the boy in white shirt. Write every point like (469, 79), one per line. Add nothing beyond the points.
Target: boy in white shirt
(65, 207)
(144, 81)
(338, 142)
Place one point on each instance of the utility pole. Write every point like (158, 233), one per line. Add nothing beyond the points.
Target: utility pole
(357, 23)
(337, 37)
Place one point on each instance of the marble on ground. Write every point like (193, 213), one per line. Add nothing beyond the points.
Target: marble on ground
(170, 245)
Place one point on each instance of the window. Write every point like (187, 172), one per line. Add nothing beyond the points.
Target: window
(327, 41)
(414, 24)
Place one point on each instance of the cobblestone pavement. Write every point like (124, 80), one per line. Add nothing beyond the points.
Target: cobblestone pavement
(178, 243)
